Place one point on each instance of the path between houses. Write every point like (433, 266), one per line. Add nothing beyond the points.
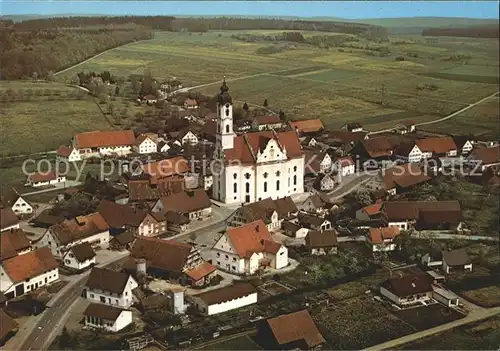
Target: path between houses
(474, 316)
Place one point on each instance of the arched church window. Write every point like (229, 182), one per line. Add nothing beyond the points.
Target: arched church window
(265, 186)
(278, 173)
(295, 168)
(227, 112)
(295, 180)
(235, 187)
(227, 128)
(277, 185)
(247, 175)
(247, 187)
(235, 175)
(266, 174)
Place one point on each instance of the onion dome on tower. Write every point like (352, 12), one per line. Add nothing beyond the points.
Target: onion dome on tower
(224, 97)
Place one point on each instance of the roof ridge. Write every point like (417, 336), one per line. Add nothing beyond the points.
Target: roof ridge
(245, 137)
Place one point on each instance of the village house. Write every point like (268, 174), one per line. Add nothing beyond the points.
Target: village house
(174, 166)
(25, 273)
(444, 146)
(383, 239)
(370, 212)
(141, 189)
(352, 127)
(163, 147)
(16, 202)
(484, 156)
(272, 212)
(324, 182)
(408, 290)
(225, 299)
(373, 152)
(405, 214)
(106, 317)
(79, 257)
(321, 243)
(314, 222)
(13, 242)
(309, 141)
(246, 249)
(110, 288)
(123, 217)
(9, 327)
(193, 204)
(168, 259)
(144, 144)
(464, 144)
(294, 230)
(104, 143)
(344, 166)
(293, 331)
(122, 241)
(406, 127)
(268, 122)
(343, 140)
(317, 162)
(67, 154)
(254, 166)
(403, 177)
(307, 126)
(450, 261)
(190, 104)
(408, 152)
(44, 178)
(186, 136)
(91, 228)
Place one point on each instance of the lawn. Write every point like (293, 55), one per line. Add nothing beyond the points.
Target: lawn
(30, 127)
(481, 335)
(332, 75)
(468, 122)
(471, 73)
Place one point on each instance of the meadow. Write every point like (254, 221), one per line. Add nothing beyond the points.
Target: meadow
(348, 83)
(35, 126)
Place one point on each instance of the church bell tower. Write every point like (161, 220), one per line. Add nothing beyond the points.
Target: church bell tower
(225, 134)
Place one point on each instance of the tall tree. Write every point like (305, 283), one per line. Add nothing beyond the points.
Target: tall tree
(266, 104)
(245, 107)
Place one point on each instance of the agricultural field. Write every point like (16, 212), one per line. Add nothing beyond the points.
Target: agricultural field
(306, 81)
(486, 112)
(45, 126)
(481, 335)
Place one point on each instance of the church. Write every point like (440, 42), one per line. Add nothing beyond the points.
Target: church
(254, 166)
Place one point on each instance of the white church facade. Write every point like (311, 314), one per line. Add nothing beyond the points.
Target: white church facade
(254, 166)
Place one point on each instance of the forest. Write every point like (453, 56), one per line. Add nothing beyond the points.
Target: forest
(492, 31)
(41, 47)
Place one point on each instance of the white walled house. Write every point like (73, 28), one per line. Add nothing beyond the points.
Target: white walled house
(188, 137)
(464, 144)
(105, 317)
(18, 204)
(456, 260)
(194, 204)
(67, 154)
(225, 299)
(408, 290)
(162, 147)
(254, 166)
(104, 143)
(246, 249)
(144, 145)
(410, 153)
(79, 257)
(344, 166)
(110, 287)
(92, 229)
(25, 273)
(383, 239)
(44, 179)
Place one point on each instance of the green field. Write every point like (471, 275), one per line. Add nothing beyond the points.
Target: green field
(30, 127)
(337, 84)
(482, 120)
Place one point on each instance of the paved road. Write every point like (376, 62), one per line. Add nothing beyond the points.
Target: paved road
(52, 318)
(474, 316)
(444, 118)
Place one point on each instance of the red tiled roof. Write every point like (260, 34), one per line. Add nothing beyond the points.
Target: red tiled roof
(404, 175)
(410, 210)
(250, 238)
(373, 209)
(377, 147)
(436, 145)
(12, 241)
(42, 177)
(295, 326)
(79, 228)
(228, 293)
(409, 285)
(30, 265)
(346, 161)
(200, 271)
(186, 201)
(64, 151)
(378, 235)
(165, 168)
(487, 155)
(247, 145)
(307, 126)
(270, 119)
(104, 139)
(7, 218)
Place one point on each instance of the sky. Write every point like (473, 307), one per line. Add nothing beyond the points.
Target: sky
(342, 9)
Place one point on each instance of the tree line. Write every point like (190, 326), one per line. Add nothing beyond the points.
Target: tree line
(492, 31)
(39, 53)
